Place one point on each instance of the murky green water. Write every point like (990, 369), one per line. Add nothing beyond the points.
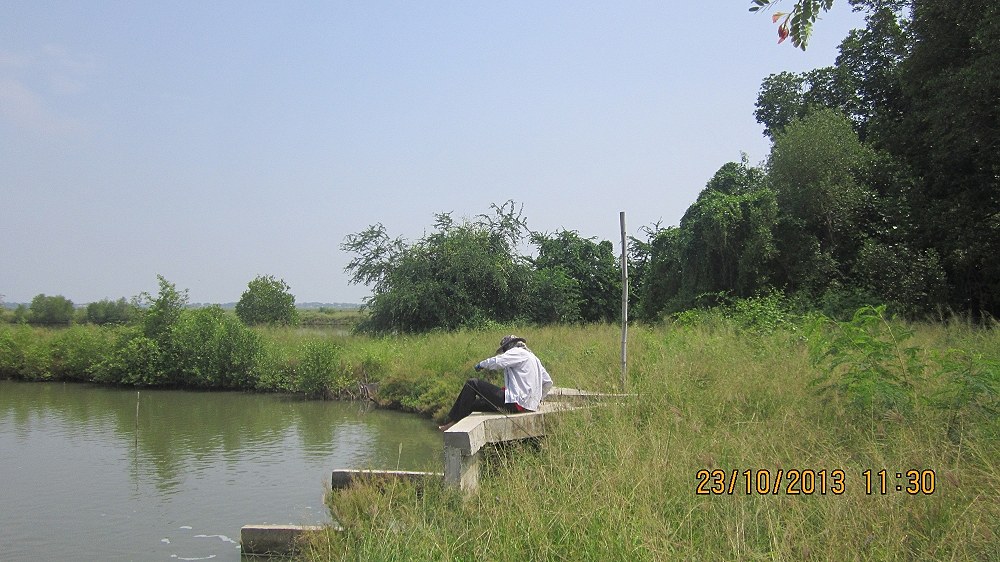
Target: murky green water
(83, 477)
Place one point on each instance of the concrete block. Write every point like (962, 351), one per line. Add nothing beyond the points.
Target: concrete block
(272, 539)
(344, 477)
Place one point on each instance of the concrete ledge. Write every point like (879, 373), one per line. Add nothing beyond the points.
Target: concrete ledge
(479, 428)
(463, 440)
(344, 477)
(269, 540)
(560, 394)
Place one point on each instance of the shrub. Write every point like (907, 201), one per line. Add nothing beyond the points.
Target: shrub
(275, 369)
(77, 350)
(134, 361)
(865, 362)
(267, 301)
(764, 314)
(210, 348)
(50, 310)
(163, 311)
(110, 312)
(24, 353)
(318, 369)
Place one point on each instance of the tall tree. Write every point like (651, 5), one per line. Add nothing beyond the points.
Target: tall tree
(869, 64)
(949, 134)
(462, 274)
(724, 244)
(661, 280)
(591, 265)
(728, 243)
(814, 167)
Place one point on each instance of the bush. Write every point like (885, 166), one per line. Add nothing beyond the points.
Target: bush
(209, 348)
(163, 311)
(267, 301)
(275, 370)
(50, 311)
(77, 350)
(865, 363)
(24, 353)
(135, 361)
(319, 373)
(110, 312)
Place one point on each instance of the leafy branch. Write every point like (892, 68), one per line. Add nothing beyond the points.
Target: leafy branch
(796, 24)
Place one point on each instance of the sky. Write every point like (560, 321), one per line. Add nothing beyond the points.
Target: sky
(212, 142)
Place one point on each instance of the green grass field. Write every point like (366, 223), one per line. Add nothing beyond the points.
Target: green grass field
(727, 402)
(621, 482)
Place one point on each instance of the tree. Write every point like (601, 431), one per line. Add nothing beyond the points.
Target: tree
(661, 278)
(869, 61)
(864, 84)
(949, 135)
(110, 312)
(814, 168)
(50, 310)
(591, 265)
(555, 297)
(462, 274)
(780, 100)
(724, 245)
(163, 312)
(787, 96)
(267, 301)
(20, 315)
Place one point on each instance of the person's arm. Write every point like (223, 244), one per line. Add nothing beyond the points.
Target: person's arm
(546, 381)
(488, 364)
(502, 361)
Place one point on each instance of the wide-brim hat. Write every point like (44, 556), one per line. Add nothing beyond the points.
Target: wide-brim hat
(508, 342)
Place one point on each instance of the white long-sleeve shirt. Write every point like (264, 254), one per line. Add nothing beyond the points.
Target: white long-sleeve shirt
(525, 379)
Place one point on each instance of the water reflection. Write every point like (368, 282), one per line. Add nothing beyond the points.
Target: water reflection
(88, 463)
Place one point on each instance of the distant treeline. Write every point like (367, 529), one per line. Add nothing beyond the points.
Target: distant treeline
(266, 301)
(159, 341)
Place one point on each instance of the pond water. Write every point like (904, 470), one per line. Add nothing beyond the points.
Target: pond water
(97, 473)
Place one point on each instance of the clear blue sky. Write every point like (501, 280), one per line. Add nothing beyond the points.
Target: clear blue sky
(214, 141)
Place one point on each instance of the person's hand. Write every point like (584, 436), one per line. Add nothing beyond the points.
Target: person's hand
(478, 367)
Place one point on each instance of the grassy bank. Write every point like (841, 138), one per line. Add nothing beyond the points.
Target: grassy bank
(620, 482)
(729, 391)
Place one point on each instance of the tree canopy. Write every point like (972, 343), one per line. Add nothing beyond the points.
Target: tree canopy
(470, 273)
(267, 300)
(918, 86)
(463, 273)
(50, 310)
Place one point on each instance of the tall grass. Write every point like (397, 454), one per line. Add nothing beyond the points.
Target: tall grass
(713, 391)
(619, 482)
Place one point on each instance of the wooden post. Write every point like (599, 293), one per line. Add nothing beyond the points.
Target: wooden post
(621, 219)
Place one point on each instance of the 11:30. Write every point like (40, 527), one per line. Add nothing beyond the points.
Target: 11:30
(916, 482)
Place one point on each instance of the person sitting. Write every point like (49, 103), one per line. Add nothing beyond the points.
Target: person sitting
(526, 383)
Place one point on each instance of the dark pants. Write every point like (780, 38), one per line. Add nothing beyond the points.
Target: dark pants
(479, 396)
